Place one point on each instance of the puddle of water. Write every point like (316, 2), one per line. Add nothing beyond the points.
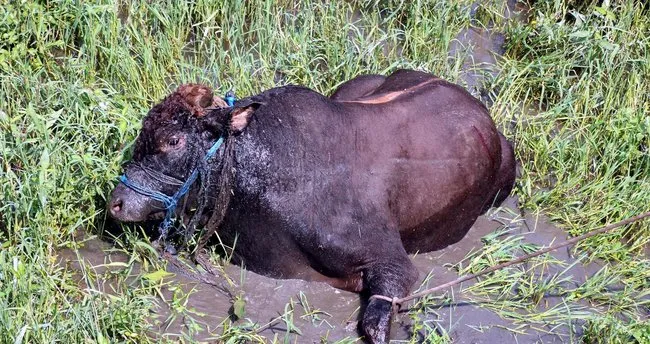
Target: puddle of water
(322, 312)
(97, 259)
(480, 48)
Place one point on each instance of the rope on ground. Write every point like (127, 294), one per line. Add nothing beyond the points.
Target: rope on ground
(397, 302)
(176, 265)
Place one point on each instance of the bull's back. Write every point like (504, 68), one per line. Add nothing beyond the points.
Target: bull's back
(436, 158)
(423, 161)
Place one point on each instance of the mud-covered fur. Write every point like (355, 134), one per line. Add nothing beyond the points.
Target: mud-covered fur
(335, 189)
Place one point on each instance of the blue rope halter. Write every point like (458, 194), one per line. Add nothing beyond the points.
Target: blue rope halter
(171, 202)
(230, 98)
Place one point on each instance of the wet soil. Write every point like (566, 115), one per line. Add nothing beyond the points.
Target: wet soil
(322, 313)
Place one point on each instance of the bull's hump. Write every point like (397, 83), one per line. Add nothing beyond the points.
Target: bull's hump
(388, 96)
(282, 94)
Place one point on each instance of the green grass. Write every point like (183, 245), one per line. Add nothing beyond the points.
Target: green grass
(76, 79)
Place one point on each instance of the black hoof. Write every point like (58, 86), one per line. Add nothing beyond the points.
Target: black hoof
(376, 321)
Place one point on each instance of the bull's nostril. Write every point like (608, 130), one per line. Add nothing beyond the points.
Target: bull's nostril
(116, 206)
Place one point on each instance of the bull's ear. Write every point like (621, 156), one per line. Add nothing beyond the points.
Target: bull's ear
(214, 122)
(199, 97)
(241, 116)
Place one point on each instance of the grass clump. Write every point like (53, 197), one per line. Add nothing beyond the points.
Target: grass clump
(617, 331)
(584, 153)
(574, 84)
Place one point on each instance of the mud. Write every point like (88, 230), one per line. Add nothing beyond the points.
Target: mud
(322, 313)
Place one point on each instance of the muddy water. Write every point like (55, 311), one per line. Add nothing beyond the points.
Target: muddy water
(479, 48)
(320, 312)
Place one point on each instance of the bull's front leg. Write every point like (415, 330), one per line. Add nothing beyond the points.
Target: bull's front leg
(379, 256)
(392, 277)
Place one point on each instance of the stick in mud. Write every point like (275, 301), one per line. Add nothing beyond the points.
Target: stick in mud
(397, 302)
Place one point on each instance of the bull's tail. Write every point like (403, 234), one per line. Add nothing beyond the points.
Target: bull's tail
(505, 180)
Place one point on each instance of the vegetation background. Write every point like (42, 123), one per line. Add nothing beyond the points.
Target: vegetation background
(573, 92)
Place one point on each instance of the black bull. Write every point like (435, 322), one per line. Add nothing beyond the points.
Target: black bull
(335, 189)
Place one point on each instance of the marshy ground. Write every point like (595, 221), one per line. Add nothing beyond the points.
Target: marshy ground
(567, 81)
(304, 312)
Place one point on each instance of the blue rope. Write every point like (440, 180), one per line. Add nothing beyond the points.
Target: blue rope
(171, 202)
(230, 98)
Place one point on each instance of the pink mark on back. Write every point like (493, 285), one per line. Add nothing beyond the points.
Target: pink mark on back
(387, 97)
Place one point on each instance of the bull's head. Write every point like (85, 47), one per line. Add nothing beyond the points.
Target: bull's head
(175, 136)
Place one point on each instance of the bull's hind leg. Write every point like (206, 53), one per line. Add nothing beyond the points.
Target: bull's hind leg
(391, 277)
(505, 179)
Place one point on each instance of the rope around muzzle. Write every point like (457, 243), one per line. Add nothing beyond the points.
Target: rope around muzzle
(398, 302)
(171, 202)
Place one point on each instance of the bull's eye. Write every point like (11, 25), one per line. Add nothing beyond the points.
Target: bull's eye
(173, 141)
